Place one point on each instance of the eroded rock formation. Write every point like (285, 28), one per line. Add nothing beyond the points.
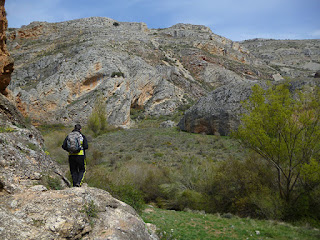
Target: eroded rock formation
(28, 210)
(63, 67)
(220, 111)
(292, 58)
(74, 213)
(6, 62)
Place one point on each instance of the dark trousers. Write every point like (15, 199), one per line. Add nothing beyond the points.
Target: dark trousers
(77, 168)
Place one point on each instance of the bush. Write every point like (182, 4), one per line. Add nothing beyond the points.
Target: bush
(145, 177)
(130, 195)
(53, 183)
(90, 209)
(190, 199)
(97, 121)
(94, 156)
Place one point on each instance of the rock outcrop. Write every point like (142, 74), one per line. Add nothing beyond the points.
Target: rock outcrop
(23, 160)
(61, 68)
(6, 62)
(28, 210)
(73, 213)
(220, 111)
(292, 58)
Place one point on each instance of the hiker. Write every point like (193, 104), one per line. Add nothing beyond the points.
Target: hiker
(76, 144)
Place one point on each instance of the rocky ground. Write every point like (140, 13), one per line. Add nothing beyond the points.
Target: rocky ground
(73, 213)
(30, 210)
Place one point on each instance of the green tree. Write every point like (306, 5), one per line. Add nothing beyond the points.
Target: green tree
(97, 121)
(284, 129)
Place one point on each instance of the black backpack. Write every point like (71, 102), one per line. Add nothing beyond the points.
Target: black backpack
(73, 142)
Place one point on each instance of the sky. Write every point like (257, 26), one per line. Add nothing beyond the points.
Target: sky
(234, 19)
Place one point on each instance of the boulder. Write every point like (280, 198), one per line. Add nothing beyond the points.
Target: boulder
(73, 213)
(219, 113)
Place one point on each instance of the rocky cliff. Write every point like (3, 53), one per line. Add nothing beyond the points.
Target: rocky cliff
(6, 62)
(292, 58)
(30, 208)
(297, 62)
(220, 111)
(61, 68)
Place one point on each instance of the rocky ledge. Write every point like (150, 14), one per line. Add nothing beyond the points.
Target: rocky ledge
(74, 213)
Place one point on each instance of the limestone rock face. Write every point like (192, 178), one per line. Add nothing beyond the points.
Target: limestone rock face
(29, 211)
(219, 112)
(293, 58)
(23, 162)
(73, 213)
(6, 62)
(61, 68)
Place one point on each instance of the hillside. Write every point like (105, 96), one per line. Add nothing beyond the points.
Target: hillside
(35, 199)
(140, 77)
(292, 58)
(61, 68)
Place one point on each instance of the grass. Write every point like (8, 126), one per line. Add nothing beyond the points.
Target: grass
(193, 226)
(179, 170)
(54, 136)
(164, 147)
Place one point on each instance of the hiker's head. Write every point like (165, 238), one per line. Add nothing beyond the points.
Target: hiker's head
(77, 127)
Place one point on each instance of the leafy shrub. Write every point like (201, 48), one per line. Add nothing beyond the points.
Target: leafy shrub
(94, 157)
(90, 209)
(145, 177)
(191, 199)
(6, 129)
(97, 121)
(136, 114)
(97, 177)
(53, 183)
(130, 195)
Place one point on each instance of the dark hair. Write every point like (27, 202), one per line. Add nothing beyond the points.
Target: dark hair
(77, 127)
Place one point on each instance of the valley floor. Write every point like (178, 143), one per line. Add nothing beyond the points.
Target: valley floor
(200, 226)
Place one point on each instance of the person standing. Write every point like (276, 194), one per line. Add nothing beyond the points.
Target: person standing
(76, 144)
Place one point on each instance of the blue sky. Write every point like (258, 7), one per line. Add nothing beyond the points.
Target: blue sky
(234, 19)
